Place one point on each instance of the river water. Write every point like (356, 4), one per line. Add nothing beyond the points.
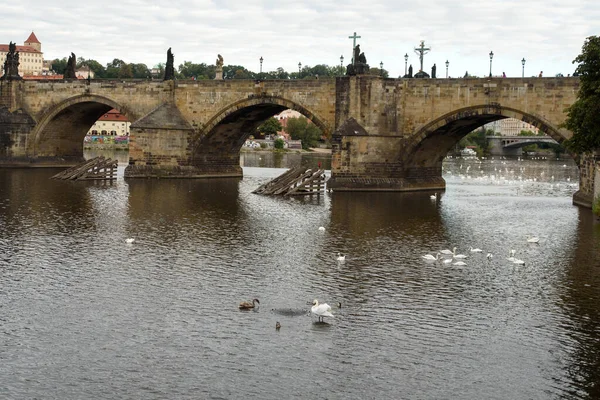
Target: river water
(84, 315)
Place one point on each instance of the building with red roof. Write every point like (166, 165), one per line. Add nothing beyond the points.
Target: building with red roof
(31, 58)
(113, 123)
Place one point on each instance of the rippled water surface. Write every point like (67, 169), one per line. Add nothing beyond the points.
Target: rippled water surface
(85, 315)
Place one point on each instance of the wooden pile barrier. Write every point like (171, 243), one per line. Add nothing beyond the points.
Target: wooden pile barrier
(98, 168)
(297, 181)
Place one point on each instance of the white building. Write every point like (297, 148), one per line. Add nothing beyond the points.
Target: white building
(113, 123)
(510, 127)
(31, 58)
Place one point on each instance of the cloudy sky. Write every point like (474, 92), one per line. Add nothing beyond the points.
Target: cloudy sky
(548, 34)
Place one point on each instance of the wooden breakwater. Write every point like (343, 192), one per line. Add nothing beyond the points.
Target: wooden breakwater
(297, 181)
(98, 168)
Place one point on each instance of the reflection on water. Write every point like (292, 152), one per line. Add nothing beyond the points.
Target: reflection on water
(85, 315)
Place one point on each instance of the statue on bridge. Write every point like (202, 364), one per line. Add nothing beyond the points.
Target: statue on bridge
(410, 71)
(359, 64)
(433, 70)
(219, 68)
(169, 68)
(70, 70)
(11, 65)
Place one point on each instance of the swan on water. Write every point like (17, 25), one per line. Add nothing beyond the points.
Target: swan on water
(129, 240)
(447, 252)
(460, 263)
(321, 310)
(277, 325)
(519, 262)
(433, 196)
(489, 256)
(533, 239)
(322, 228)
(247, 305)
(340, 257)
(459, 256)
(447, 260)
(475, 250)
(429, 257)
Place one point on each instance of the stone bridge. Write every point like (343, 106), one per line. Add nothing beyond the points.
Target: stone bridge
(387, 134)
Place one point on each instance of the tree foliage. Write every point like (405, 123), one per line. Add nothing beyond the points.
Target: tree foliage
(270, 127)
(583, 116)
(59, 66)
(302, 129)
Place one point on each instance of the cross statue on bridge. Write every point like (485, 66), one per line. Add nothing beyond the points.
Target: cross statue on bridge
(354, 37)
(421, 50)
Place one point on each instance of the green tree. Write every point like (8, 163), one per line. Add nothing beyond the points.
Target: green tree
(113, 68)
(279, 143)
(583, 116)
(96, 67)
(270, 127)
(304, 130)
(526, 133)
(140, 71)
(59, 66)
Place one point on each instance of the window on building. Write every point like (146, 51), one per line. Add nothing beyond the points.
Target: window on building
(103, 132)
(94, 132)
(114, 133)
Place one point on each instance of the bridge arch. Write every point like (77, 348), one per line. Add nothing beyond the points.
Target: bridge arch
(429, 145)
(227, 131)
(61, 129)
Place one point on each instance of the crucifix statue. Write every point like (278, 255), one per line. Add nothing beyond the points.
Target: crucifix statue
(421, 50)
(354, 37)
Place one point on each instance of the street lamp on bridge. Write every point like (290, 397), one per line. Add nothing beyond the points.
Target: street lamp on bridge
(299, 69)
(447, 63)
(523, 68)
(405, 63)
(261, 60)
(342, 64)
(381, 68)
(491, 57)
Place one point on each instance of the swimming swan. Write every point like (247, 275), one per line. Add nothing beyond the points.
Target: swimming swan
(246, 305)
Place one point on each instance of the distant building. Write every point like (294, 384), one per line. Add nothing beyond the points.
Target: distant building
(113, 123)
(510, 127)
(31, 58)
(84, 72)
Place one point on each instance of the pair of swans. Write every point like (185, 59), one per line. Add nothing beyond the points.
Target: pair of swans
(452, 253)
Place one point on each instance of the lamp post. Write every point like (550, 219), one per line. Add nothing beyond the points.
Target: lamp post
(447, 63)
(299, 69)
(381, 68)
(405, 63)
(523, 69)
(342, 64)
(261, 60)
(491, 57)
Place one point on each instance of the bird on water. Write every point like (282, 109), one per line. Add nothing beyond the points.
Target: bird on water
(277, 325)
(247, 305)
(321, 310)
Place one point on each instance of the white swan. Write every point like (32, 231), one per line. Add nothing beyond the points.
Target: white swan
(460, 263)
(322, 228)
(340, 257)
(533, 239)
(459, 256)
(519, 262)
(447, 252)
(475, 250)
(429, 257)
(511, 256)
(489, 256)
(433, 196)
(447, 260)
(129, 240)
(321, 310)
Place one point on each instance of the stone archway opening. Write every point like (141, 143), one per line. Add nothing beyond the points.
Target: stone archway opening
(61, 133)
(430, 145)
(222, 138)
